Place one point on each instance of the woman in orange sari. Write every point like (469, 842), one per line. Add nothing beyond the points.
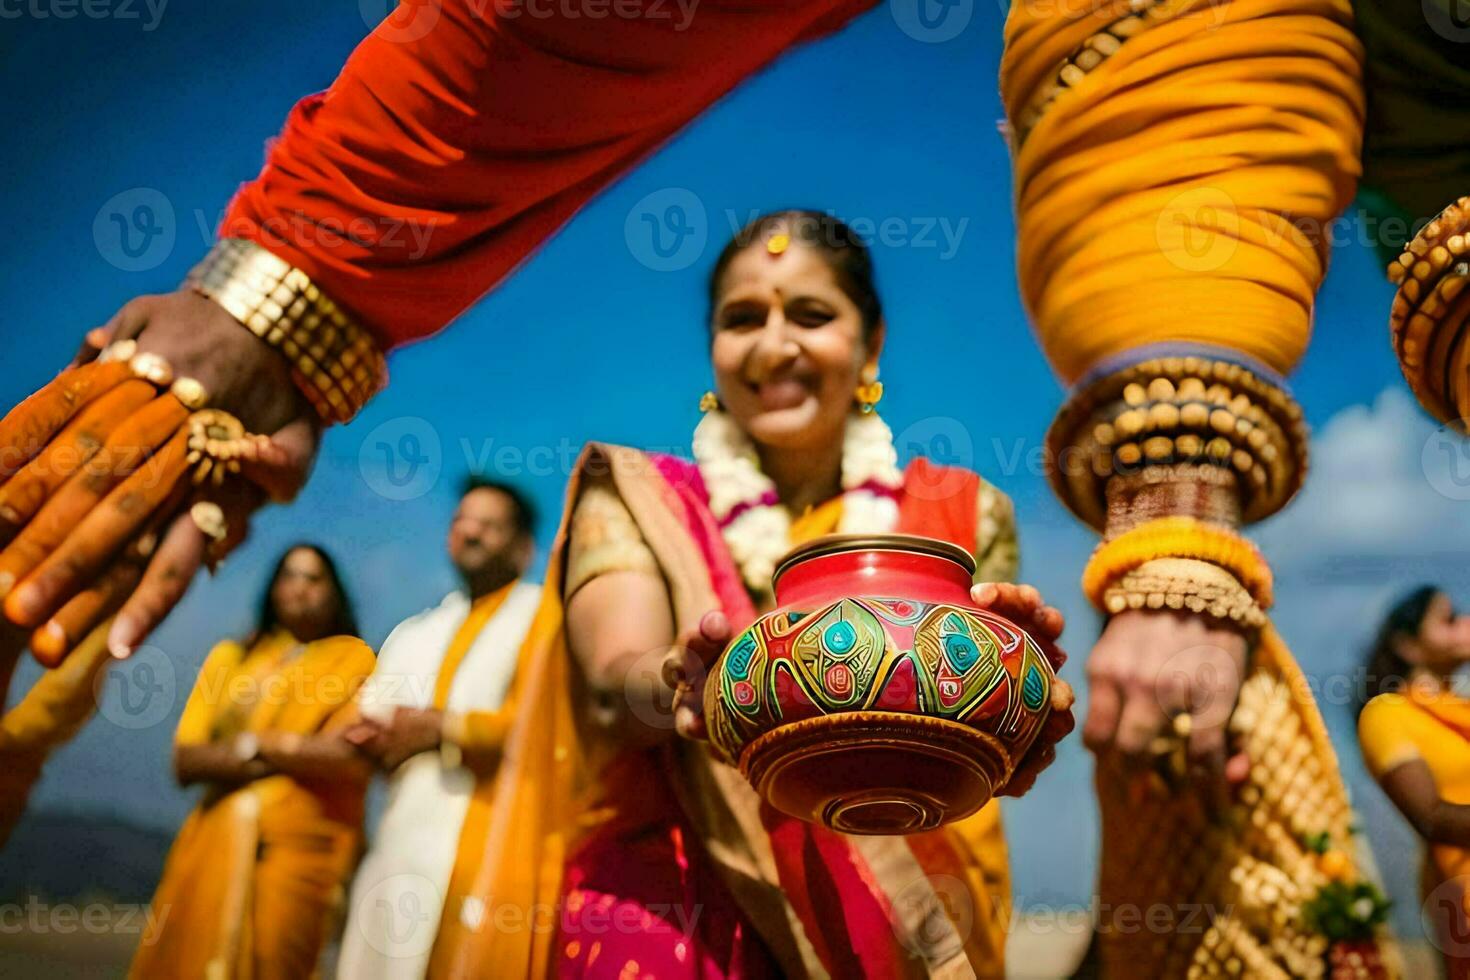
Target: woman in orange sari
(1415, 735)
(637, 853)
(258, 866)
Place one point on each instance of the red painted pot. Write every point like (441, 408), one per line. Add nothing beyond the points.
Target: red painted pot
(876, 698)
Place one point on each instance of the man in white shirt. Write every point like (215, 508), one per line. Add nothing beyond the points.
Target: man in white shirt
(441, 678)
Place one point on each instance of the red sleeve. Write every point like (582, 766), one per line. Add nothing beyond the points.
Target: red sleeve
(463, 133)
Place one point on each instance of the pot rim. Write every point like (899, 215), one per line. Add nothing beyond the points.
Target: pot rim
(836, 544)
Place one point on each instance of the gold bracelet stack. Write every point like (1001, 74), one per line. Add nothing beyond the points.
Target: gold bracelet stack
(335, 361)
(1187, 585)
(1184, 564)
(1187, 411)
(1431, 311)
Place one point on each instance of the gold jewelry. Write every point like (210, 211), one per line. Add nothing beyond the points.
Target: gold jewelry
(709, 402)
(870, 392)
(209, 518)
(118, 350)
(190, 393)
(778, 243)
(217, 443)
(335, 362)
(153, 368)
(1185, 585)
(1187, 411)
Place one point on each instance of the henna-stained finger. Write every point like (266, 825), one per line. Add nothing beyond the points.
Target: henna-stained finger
(24, 494)
(127, 452)
(28, 427)
(102, 532)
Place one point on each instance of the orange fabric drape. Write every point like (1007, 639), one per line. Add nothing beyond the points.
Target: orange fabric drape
(462, 134)
(1182, 190)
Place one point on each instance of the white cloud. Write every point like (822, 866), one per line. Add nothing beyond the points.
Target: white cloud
(1385, 482)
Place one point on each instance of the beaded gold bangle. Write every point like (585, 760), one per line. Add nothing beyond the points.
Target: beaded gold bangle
(1431, 312)
(1172, 411)
(335, 362)
(1177, 537)
(1187, 585)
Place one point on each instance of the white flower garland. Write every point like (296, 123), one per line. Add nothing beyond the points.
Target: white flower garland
(756, 526)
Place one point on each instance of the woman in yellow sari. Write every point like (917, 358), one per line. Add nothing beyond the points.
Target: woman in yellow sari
(605, 845)
(1415, 735)
(258, 866)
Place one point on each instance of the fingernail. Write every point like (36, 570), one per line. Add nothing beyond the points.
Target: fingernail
(49, 641)
(7, 582)
(122, 638)
(23, 606)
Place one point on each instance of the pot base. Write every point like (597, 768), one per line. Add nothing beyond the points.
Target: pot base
(876, 772)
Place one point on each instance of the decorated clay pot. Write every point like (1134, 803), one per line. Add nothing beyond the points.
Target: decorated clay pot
(876, 698)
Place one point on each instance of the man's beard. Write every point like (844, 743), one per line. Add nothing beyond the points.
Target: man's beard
(497, 570)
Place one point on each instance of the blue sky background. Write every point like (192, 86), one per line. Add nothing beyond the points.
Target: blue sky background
(589, 340)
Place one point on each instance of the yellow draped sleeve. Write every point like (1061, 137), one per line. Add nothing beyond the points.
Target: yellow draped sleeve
(196, 724)
(1386, 730)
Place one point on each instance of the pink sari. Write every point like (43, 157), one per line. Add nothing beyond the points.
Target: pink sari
(643, 895)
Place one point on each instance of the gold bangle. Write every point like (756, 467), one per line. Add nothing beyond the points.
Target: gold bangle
(1177, 537)
(334, 361)
(1430, 314)
(1185, 585)
(1184, 411)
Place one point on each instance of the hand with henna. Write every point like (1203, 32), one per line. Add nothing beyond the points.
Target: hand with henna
(94, 484)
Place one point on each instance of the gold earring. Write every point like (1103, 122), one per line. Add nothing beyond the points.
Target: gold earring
(709, 402)
(870, 392)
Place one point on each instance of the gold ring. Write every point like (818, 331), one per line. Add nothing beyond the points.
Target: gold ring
(190, 393)
(217, 443)
(118, 350)
(153, 368)
(209, 518)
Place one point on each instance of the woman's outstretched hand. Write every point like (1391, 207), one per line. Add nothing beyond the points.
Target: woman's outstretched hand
(1149, 669)
(1022, 605)
(687, 666)
(94, 506)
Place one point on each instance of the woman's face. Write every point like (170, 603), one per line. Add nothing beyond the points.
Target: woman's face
(1444, 635)
(787, 347)
(304, 599)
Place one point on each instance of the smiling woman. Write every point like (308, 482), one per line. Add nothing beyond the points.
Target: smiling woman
(659, 553)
